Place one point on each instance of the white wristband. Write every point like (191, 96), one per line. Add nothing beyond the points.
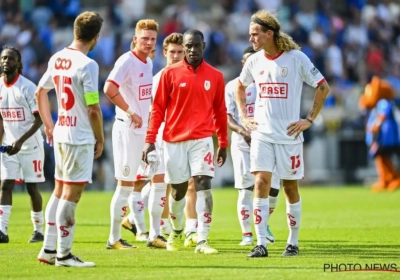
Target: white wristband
(129, 111)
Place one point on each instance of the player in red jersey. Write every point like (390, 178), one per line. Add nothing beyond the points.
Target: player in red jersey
(190, 98)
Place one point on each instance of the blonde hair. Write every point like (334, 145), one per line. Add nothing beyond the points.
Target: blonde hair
(174, 38)
(146, 24)
(268, 21)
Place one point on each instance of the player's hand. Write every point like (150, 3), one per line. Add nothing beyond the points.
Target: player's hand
(15, 148)
(149, 147)
(98, 149)
(246, 135)
(221, 156)
(298, 127)
(49, 135)
(136, 120)
(248, 123)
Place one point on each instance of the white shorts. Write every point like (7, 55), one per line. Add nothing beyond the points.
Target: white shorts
(74, 163)
(187, 159)
(127, 150)
(23, 166)
(241, 168)
(286, 158)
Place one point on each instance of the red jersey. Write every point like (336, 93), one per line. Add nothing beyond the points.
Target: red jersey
(192, 102)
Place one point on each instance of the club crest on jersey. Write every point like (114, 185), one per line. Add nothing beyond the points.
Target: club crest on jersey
(284, 71)
(207, 85)
(17, 97)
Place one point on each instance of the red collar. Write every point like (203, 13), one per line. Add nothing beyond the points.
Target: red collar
(12, 83)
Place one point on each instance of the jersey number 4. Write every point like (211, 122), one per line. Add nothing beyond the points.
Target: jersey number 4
(64, 91)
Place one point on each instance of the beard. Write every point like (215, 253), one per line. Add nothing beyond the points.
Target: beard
(9, 70)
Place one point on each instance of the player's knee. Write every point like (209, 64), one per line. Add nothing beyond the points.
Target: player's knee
(33, 189)
(262, 181)
(178, 192)
(202, 183)
(290, 187)
(7, 186)
(273, 192)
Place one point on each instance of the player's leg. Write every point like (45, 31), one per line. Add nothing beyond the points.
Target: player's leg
(201, 160)
(32, 172)
(36, 212)
(126, 162)
(177, 173)
(74, 181)
(157, 201)
(262, 163)
(10, 171)
(137, 207)
(273, 201)
(48, 252)
(290, 167)
(191, 216)
(244, 183)
(165, 224)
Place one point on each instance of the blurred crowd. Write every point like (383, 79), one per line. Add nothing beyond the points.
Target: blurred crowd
(348, 42)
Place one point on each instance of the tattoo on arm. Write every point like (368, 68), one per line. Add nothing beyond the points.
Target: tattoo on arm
(311, 114)
(243, 101)
(321, 87)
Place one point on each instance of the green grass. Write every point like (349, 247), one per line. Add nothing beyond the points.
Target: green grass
(339, 225)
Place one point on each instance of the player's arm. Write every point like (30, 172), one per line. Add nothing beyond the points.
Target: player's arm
(90, 76)
(111, 90)
(157, 116)
(245, 79)
(221, 121)
(319, 100)
(1, 129)
(231, 109)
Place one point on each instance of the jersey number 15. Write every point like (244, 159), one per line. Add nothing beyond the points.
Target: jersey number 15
(64, 91)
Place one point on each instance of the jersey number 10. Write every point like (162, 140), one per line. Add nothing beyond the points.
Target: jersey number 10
(64, 91)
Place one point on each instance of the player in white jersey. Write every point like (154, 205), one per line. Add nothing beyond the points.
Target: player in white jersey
(22, 142)
(129, 87)
(77, 136)
(240, 151)
(158, 202)
(278, 71)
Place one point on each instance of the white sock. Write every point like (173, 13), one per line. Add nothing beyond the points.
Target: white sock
(293, 220)
(176, 212)
(245, 210)
(5, 212)
(204, 208)
(260, 216)
(50, 231)
(273, 201)
(37, 221)
(118, 210)
(190, 226)
(65, 217)
(165, 226)
(146, 195)
(156, 207)
(137, 210)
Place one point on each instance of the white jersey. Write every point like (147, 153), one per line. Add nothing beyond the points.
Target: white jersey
(134, 79)
(279, 83)
(75, 78)
(17, 106)
(156, 81)
(251, 91)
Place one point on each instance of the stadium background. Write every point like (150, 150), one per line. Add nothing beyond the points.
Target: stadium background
(348, 41)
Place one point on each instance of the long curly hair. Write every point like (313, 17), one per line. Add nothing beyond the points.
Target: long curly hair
(283, 41)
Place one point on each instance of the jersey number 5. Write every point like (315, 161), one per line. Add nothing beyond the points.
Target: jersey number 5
(64, 91)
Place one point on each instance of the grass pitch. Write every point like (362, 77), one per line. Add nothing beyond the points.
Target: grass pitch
(339, 225)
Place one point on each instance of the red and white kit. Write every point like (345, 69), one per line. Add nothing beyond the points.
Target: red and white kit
(279, 82)
(73, 75)
(17, 106)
